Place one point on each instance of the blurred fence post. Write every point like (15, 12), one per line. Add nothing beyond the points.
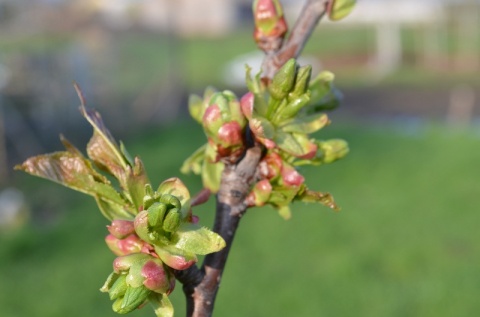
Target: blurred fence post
(389, 48)
(3, 148)
(462, 102)
(468, 34)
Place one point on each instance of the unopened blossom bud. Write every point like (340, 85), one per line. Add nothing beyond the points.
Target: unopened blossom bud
(172, 220)
(270, 166)
(230, 135)
(132, 299)
(128, 245)
(148, 199)
(246, 104)
(155, 214)
(170, 200)
(259, 194)
(133, 279)
(121, 228)
(175, 261)
(301, 81)
(118, 288)
(283, 81)
(212, 120)
(143, 269)
(308, 146)
(142, 228)
(291, 177)
(270, 24)
(333, 150)
(338, 9)
(294, 106)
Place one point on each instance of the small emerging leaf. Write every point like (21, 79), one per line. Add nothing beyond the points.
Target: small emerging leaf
(195, 239)
(75, 172)
(307, 124)
(338, 9)
(326, 199)
(161, 305)
(194, 162)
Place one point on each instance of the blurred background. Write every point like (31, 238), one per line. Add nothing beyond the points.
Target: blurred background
(406, 242)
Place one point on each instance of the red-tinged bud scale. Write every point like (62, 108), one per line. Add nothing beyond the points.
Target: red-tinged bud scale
(291, 177)
(212, 120)
(259, 194)
(156, 279)
(230, 134)
(121, 228)
(246, 103)
(128, 245)
(270, 24)
(312, 151)
(175, 261)
(270, 166)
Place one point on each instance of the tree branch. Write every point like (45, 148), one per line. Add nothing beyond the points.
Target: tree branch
(234, 187)
(201, 285)
(308, 19)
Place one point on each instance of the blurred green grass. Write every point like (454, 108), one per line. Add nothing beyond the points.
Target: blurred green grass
(406, 242)
(126, 63)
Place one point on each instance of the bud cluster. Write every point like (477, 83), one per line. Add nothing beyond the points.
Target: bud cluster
(224, 124)
(161, 238)
(281, 117)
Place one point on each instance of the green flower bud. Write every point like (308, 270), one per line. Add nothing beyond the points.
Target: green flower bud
(133, 298)
(156, 213)
(148, 199)
(170, 200)
(283, 81)
(338, 9)
(294, 106)
(172, 220)
(301, 82)
(142, 228)
(333, 150)
(119, 287)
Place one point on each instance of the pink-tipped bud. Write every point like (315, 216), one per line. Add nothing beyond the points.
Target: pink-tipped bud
(128, 245)
(291, 177)
(121, 228)
(259, 194)
(246, 103)
(156, 278)
(270, 166)
(270, 24)
(311, 149)
(175, 261)
(212, 120)
(230, 134)
(123, 263)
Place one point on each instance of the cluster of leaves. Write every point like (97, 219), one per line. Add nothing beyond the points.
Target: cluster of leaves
(153, 233)
(280, 117)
